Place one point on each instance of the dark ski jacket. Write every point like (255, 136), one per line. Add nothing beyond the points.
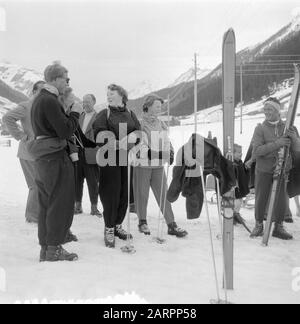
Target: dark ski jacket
(191, 187)
(49, 119)
(293, 186)
(109, 120)
(242, 176)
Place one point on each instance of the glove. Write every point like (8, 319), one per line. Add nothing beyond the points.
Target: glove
(283, 141)
(248, 164)
(77, 108)
(292, 134)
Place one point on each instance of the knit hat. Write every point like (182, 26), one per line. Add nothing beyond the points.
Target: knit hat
(274, 102)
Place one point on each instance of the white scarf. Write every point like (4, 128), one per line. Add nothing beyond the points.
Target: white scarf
(51, 89)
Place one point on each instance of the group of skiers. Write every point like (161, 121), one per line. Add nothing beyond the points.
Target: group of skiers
(61, 137)
(61, 142)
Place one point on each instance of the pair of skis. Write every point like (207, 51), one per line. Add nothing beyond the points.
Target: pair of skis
(226, 205)
(279, 176)
(228, 98)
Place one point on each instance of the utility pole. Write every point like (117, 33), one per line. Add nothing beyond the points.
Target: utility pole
(195, 93)
(241, 90)
(168, 114)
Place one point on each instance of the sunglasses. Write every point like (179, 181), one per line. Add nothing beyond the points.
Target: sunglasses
(66, 79)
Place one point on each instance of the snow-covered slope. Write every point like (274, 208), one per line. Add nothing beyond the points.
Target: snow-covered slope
(179, 271)
(143, 88)
(146, 87)
(215, 114)
(290, 29)
(19, 78)
(189, 75)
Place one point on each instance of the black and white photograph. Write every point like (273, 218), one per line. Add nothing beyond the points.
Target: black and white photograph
(149, 154)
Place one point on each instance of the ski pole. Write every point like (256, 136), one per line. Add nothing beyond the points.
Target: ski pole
(210, 234)
(165, 197)
(222, 242)
(128, 248)
(158, 239)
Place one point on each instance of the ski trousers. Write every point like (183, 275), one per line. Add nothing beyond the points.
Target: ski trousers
(143, 180)
(56, 198)
(32, 206)
(90, 172)
(113, 191)
(263, 188)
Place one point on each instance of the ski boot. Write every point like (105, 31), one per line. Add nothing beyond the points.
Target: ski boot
(280, 233)
(143, 228)
(95, 211)
(174, 230)
(122, 234)
(258, 230)
(57, 253)
(78, 208)
(109, 237)
(32, 221)
(70, 237)
(43, 253)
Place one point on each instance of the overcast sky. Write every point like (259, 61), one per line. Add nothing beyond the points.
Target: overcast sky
(126, 41)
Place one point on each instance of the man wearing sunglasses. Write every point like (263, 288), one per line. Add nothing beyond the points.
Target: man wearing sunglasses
(54, 170)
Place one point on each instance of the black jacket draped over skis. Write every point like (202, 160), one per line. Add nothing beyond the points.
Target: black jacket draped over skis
(191, 187)
(242, 176)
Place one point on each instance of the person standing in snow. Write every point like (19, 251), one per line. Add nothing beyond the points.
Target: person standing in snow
(267, 140)
(153, 175)
(22, 113)
(84, 170)
(118, 124)
(54, 170)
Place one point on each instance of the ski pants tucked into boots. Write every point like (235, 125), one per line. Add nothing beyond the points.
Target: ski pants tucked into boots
(113, 191)
(263, 188)
(143, 180)
(32, 206)
(56, 197)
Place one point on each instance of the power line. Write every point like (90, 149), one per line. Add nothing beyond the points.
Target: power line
(269, 63)
(267, 70)
(269, 74)
(276, 55)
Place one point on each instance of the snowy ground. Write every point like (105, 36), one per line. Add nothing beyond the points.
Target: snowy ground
(178, 272)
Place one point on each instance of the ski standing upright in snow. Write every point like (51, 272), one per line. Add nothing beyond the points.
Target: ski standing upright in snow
(228, 86)
(280, 171)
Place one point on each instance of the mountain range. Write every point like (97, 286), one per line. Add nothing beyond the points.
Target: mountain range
(264, 64)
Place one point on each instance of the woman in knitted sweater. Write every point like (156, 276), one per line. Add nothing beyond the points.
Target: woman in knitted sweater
(152, 173)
